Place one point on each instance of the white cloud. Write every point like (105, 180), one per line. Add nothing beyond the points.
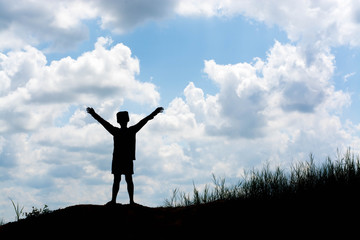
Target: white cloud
(39, 93)
(317, 23)
(35, 22)
(278, 109)
(61, 24)
(349, 75)
(122, 16)
(283, 94)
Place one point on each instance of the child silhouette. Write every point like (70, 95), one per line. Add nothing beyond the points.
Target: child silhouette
(124, 148)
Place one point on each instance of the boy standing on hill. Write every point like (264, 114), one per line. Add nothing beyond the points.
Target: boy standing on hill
(124, 148)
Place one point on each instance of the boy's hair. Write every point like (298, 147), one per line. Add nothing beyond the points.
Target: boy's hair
(122, 116)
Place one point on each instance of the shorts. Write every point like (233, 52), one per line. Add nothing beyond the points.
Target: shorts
(120, 166)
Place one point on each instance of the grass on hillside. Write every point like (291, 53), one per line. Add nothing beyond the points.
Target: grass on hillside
(332, 179)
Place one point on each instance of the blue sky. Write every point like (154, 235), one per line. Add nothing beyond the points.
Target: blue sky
(243, 84)
(346, 78)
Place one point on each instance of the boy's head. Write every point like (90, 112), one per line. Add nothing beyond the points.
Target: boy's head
(122, 117)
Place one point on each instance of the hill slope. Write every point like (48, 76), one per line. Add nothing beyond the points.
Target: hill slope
(309, 201)
(217, 219)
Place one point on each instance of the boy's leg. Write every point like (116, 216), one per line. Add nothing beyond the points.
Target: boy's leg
(130, 187)
(116, 186)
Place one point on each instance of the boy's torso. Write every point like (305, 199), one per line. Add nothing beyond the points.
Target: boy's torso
(124, 143)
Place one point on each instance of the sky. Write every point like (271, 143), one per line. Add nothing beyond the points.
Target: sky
(243, 84)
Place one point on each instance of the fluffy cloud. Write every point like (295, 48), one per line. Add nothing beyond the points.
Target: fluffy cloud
(60, 24)
(319, 23)
(35, 22)
(254, 96)
(35, 94)
(122, 16)
(264, 110)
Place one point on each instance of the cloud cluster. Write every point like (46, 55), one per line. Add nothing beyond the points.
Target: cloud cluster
(253, 96)
(60, 24)
(122, 16)
(38, 22)
(320, 23)
(278, 101)
(35, 94)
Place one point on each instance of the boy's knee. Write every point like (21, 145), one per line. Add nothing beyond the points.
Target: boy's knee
(128, 178)
(117, 178)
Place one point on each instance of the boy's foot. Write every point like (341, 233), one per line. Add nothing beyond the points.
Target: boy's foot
(111, 203)
(134, 204)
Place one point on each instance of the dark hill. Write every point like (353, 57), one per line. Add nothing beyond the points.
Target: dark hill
(309, 201)
(233, 219)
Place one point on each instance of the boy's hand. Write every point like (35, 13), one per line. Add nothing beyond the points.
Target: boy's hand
(154, 113)
(158, 110)
(90, 110)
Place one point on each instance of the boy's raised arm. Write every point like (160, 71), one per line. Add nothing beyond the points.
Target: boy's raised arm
(156, 112)
(140, 124)
(106, 125)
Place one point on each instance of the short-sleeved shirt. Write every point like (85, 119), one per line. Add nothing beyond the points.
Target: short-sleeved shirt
(124, 145)
(124, 150)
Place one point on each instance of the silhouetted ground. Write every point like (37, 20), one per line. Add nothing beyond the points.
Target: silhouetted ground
(233, 219)
(310, 201)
